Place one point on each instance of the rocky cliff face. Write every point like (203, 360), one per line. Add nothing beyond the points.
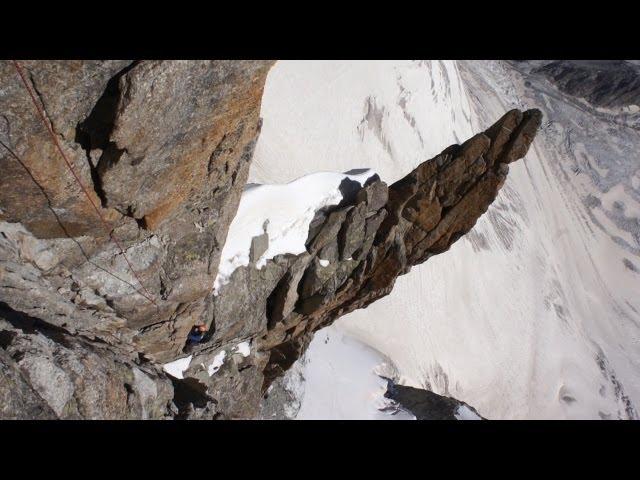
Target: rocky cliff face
(164, 148)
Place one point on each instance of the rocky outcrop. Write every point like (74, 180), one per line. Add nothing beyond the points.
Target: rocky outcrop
(355, 251)
(602, 83)
(58, 375)
(164, 148)
(426, 405)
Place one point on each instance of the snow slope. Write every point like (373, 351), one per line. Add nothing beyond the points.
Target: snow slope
(343, 382)
(342, 115)
(535, 313)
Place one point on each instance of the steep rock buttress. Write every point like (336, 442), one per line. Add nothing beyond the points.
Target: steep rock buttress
(165, 147)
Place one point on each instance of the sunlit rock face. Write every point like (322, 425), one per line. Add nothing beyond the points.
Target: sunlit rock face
(532, 314)
(164, 150)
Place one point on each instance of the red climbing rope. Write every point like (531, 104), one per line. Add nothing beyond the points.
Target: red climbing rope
(110, 234)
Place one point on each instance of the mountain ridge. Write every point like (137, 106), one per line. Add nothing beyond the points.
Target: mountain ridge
(74, 331)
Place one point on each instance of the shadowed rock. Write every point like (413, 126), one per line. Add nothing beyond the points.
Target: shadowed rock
(602, 83)
(426, 405)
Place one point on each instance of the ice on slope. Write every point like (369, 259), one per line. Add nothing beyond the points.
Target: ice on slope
(285, 211)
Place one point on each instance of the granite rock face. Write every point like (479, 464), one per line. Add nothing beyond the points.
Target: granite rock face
(53, 374)
(376, 234)
(18, 400)
(164, 148)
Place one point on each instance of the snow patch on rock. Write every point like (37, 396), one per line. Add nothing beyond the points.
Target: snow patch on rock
(284, 212)
(217, 363)
(177, 368)
(243, 349)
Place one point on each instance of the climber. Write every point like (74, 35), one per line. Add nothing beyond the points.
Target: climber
(197, 333)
